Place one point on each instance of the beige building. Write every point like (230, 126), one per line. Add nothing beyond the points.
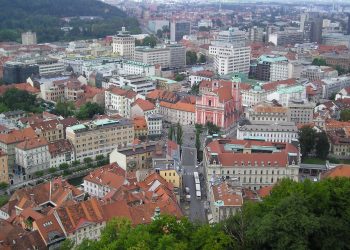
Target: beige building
(267, 112)
(181, 112)
(301, 113)
(153, 56)
(253, 163)
(134, 157)
(4, 175)
(124, 44)
(100, 137)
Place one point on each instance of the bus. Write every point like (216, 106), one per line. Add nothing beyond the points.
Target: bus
(196, 177)
(198, 194)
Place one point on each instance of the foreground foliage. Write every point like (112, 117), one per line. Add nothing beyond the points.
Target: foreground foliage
(295, 216)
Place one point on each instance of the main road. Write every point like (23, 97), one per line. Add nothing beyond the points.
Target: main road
(195, 210)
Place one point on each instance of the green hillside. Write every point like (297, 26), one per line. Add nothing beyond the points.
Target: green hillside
(46, 18)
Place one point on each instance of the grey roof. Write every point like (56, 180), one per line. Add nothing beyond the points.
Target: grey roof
(268, 126)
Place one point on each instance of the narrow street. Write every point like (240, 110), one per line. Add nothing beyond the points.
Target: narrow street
(195, 208)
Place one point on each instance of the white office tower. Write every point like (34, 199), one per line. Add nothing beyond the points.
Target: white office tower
(231, 53)
(124, 44)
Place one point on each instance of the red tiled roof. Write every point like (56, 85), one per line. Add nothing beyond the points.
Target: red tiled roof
(60, 147)
(32, 143)
(223, 192)
(338, 171)
(121, 92)
(140, 123)
(187, 107)
(16, 136)
(144, 104)
(264, 191)
(273, 85)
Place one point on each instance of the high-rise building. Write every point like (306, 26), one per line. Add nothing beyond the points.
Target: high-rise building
(124, 44)
(272, 68)
(230, 52)
(29, 38)
(177, 55)
(282, 38)
(178, 29)
(256, 34)
(311, 25)
(153, 56)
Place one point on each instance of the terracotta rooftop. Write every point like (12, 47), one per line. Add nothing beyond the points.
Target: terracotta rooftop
(16, 136)
(162, 95)
(224, 192)
(264, 191)
(273, 85)
(144, 104)
(20, 86)
(110, 175)
(49, 229)
(265, 108)
(338, 171)
(140, 123)
(121, 92)
(29, 144)
(187, 107)
(77, 215)
(261, 153)
(60, 147)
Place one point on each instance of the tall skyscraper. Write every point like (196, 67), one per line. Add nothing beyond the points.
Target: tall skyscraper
(178, 29)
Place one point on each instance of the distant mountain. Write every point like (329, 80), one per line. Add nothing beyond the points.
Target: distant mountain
(46, 18)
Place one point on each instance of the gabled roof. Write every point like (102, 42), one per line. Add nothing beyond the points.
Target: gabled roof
(144, 104)
(79, 214)
(16, 136)
(60, 147)
(29, 144)
(187, 107)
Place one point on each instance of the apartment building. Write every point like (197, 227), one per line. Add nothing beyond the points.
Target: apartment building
(301, 112)
(253, 163)
(288, 37)
(153, 56)
(53, 130)
(272, 68)
(279, 71)
(140, 127)
(226, 200)
(4, 170)
(230, 52)
(199, 76)
(178, 29)
(134, 157)
(332, 86)
(142, 108)
(183, 113)
(124, 44)
(339, 141)
(8, 143)
(154, 124)
(268, 131)
(120, 100)
(31, 156)
(105, 179)
(61, 151)
(286, 95)
(99, 137)
(177, 55)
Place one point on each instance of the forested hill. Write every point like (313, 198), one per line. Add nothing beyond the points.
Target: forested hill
(45, 18)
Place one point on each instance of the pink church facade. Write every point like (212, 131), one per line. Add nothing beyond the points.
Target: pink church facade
(219, 103)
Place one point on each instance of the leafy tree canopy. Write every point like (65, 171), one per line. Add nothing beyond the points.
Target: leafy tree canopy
(88, 110)
(14, 99)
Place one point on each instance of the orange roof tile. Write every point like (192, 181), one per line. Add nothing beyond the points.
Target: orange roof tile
(16, 136)
(338, 171)
(32, 143)
(144, 104)
(140, 123)
(187, 107)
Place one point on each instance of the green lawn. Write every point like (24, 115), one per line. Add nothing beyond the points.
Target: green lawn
(313, 161)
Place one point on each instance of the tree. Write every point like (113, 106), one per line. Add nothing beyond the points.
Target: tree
(191, 57)
(64, 109)
(319, 62)
(198, 143)
(63, 166)
(322, 145)
(345, 115)
(212, 128)
(179, 134)
(87, 160)
(150, 41)
(159, 33)
(341, 71)
(39, 173)
(171, 132)
(179, 77)
(332, 96)
(67, 245)
(194, 89)
(52, 170)
(88, 110)
(307, 136)
(14, 99)
(202, 59)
